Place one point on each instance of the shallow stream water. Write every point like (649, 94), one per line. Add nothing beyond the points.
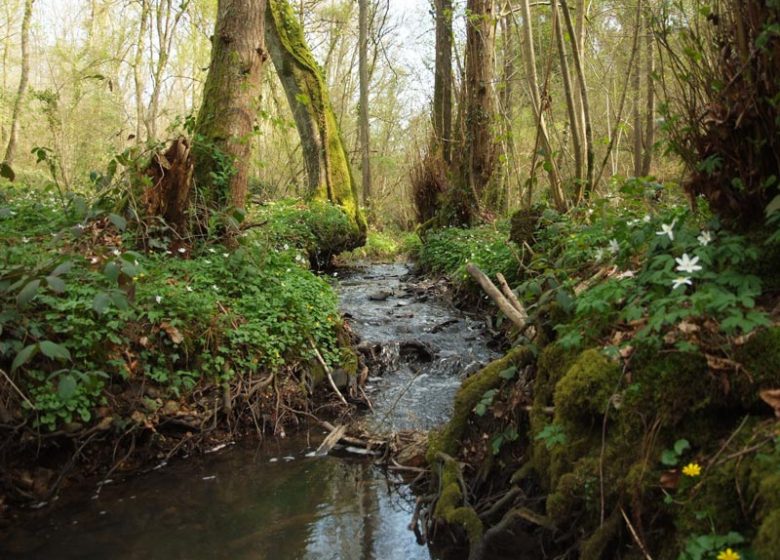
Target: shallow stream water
(269, 500)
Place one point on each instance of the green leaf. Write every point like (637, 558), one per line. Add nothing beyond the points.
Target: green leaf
(118, 221)
(681, 445)
(66, 387)
(7, 172)
(54, 351)
(57, 285)
(25, 355)
(100, 303)
(28, 293)
(62, 268)
(120, 300)
(111, 271)
(669, 458)
(508, 373)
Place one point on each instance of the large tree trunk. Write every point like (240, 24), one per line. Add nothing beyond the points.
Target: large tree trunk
(327, 165)
(226, 119)
(10, 150)
(478, 155)
(442, 85)
(365, 148)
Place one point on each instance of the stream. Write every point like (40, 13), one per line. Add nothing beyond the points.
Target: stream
(270, 500)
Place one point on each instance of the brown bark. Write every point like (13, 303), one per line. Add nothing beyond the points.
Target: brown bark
(10, 151)
(478, 154)
(171, 177)
(226, 119)
(365, 148)
(647, 158)
(442, 86)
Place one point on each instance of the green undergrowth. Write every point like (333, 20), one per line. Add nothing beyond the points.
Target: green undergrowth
(85, 312)
(447, 251)
(320, 229)
(383, 246)
(652, 342)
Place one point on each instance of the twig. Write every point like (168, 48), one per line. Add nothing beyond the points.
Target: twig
(326, 367)
(635, 536)
(8, 378)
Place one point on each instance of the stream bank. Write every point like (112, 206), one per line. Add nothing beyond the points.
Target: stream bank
(274, 500)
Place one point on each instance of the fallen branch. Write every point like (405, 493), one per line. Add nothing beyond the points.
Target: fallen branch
(326, 367)
(518, 318)
(631, 530)
(510, 295)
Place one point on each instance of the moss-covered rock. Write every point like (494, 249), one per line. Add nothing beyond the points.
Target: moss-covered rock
(760, 357)
(585, 391)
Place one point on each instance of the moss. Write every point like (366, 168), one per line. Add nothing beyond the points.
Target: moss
(469, 394)
(331, 176)
(596, 545)
(767, 542)
(563, 501)
(584, 392)
(449, 508)
(760, 357)
(670, 385)
(524, 225)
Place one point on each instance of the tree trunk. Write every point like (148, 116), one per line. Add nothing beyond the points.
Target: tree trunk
(571, 107)
(327, 165)
(579, 68)
(647, 158)
(477, 157)
(636, 80)
(138, 71)
(442, 85)
(536, 100)
(10, 150)
(365, 148)
(226, 119)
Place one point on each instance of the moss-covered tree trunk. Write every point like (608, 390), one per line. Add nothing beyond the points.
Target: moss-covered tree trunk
(226, 119)
(327, 165)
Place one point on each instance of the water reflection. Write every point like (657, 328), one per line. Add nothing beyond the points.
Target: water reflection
(238, 505)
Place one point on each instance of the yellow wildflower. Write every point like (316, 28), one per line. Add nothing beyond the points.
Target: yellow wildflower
(693, 469)
(729, 554)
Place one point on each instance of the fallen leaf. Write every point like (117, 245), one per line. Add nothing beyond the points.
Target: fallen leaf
(173, 332)
(670, 479)
(772, 398)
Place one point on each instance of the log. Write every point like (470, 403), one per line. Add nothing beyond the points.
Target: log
(518, 318)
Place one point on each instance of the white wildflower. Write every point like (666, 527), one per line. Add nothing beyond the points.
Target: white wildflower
(116, 252)
(94, 260)
(286, 246)
(599, 254)
(705, 238)
(614, 246)
(667, 229)
(158, 299)
(646, 219)
(214, 287)
(687, 264)
(226, 255)
(182, 250)
(206, 261)
(189, 288)
(25, 239)
(681, 280)
(212, 250)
